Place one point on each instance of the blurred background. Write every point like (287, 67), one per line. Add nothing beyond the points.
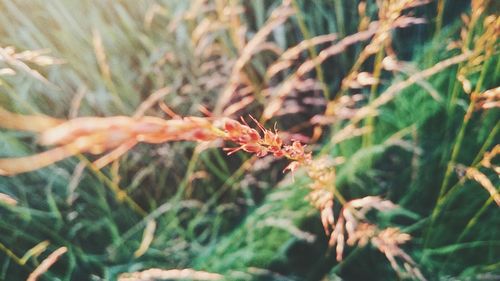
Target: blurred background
(306, 66)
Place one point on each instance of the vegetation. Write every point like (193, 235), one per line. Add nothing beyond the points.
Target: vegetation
(249, 140)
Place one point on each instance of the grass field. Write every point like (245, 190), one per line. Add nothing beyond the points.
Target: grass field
(368, 148)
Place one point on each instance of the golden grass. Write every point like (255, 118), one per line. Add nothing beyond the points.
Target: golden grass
(8, 200)
(177, 274)
(112, 137)
(117, 135)
(46, 264)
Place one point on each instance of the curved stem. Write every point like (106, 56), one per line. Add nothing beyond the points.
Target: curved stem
(439, 17)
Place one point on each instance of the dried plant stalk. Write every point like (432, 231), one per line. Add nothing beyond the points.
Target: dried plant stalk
(46, 264)
(153, 274)
(475, 174)
(352, 227)
(147, 238)
(6, 199)
(116, 135)
(278, 17)
(32, 123)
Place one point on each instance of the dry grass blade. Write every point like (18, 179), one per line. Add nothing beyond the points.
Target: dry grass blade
(278, 17)
(337, 48)
(6, 199)
(154, 274)
(101, 54)
(237, 106)
(294, 80)
(75, 180)
(154, 98)
(32, 123)
(288, 226)
(147, 238)
(37, 250)
(114, 154)
(97, 135)
(489, 156)
(13, 166)
(76, 102)
(389, 94)
(6, 71)
(46, 264)
(395, 89)
(18, 60)
(475, 174)
(485, 182)
(292, 53)
(349, 131)
(487, 100)
(277, 99)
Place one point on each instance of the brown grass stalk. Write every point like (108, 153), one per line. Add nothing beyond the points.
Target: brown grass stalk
(6, 199)
(46, 264)
(118, 134)
(153, 274)
(278, 17)
(395, 89)
(32, 123)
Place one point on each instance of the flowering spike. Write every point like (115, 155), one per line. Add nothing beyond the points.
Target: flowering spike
(258, 124)
(244, 121)
(116, 135)
(232, 150)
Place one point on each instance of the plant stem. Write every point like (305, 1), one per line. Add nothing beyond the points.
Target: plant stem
(456, 150)
(312, 51)
(440, 205)
(489, 140)
(120, 195)
(377, 70)
(472, 222)
(339, 16)
(458, 143)
(439, 17)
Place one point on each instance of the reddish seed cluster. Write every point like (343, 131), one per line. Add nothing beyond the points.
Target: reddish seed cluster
(250, 140)
(247, 138)
(118, 134)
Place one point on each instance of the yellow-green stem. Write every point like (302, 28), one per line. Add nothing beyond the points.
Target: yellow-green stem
(312, 51)
(472, 222)
(339, 15)
(456, 85)
(370, 120)
(439, 17)
(458, 143)
(441, 202)
(120, 195)
(455, 151)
